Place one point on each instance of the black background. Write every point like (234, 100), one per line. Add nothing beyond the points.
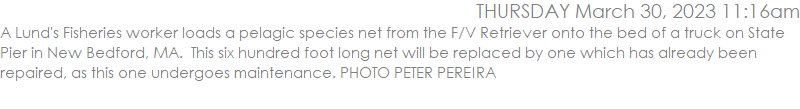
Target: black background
(520, 81)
